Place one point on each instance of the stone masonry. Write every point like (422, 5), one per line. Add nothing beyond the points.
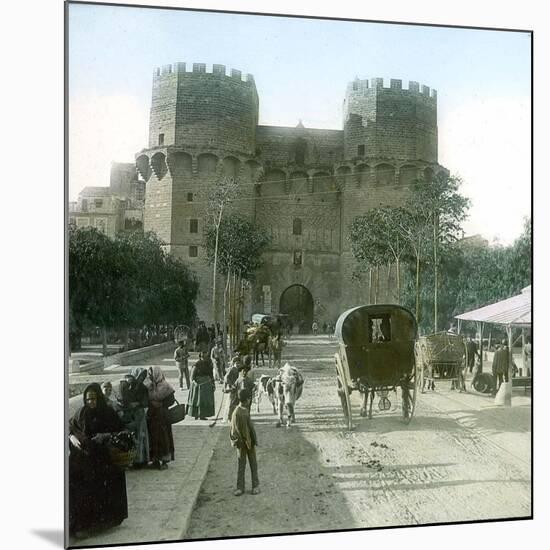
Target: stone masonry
(303, 186)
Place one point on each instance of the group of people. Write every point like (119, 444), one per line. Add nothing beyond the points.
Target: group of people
(97, 485)
(139, 406)
(503, 364)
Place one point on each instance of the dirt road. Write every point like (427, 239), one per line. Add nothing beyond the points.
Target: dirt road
(461, 458)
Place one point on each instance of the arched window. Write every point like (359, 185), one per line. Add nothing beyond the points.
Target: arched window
(297, 226)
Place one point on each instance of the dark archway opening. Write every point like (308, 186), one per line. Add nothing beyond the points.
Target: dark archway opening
(297, 302)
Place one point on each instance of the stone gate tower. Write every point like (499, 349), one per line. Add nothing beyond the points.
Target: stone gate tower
(202, 127)
(303, 186)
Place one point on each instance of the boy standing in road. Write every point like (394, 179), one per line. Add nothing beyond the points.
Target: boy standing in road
(243, 438)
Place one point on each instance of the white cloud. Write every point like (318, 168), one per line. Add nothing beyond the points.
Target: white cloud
(103, 129)
(487, 143)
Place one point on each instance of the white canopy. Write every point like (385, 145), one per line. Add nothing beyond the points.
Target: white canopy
(514, 311)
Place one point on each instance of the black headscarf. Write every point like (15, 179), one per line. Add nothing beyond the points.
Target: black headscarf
(88, 421)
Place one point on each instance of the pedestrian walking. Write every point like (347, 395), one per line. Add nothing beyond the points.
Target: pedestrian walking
(527, 351)
(161, 396)
(314, 327)
(202, 338)
(97, 488)
(181, 357)
(217, 356)
(244, 440)
(201, 395)
(471, 353)
(501, 364)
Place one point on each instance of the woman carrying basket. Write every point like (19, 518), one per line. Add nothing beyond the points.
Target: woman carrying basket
(97, 487)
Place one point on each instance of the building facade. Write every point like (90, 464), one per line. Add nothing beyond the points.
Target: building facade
(303, 186)
(112, 209)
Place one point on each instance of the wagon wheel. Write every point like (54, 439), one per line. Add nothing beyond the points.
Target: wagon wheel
(409, 386)
(343, 392)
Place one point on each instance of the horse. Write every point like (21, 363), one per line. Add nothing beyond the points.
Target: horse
(257, 342)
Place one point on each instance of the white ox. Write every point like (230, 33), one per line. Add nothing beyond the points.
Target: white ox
(265, 387)
(287, 389)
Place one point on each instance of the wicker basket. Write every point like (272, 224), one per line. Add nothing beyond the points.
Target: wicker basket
(121, 458)
(442, 347)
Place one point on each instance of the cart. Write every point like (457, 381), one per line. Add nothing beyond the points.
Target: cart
(375, 357)
(440, 356)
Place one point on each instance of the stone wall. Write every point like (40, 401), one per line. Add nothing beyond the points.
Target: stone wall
(322, 178)
(203, 109)
(391, 122)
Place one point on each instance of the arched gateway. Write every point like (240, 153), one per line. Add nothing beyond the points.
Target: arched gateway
(297, 302)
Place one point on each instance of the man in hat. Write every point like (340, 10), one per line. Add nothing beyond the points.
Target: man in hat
(501, 364)
(244, 440)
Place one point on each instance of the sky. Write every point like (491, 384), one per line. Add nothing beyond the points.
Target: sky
(301, 68)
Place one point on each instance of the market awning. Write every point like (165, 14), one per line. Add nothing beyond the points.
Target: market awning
(514, 311)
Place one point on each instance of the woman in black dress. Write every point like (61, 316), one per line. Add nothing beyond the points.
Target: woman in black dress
(161, 396)
(97, 488)
(200, 403)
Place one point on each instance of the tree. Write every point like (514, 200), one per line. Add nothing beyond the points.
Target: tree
(413, 225)
(98, 295)
(165, 289)
(237, 246)
(125, 283)
(369, 245)
(222, 195)
(439, 204)
(521, 259)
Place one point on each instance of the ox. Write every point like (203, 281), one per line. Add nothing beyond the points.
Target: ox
(265, 386)
(287, 389)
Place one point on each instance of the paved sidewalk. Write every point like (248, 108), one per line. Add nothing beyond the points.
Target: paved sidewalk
(160, 502)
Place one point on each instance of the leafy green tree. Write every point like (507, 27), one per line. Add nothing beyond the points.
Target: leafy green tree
(221, 196)
(521, 259)
(414, 226)
(368, 245)
(164, 288)
(98, 268)
(239, 245)
(492, 273)
(438, 204)
(125, 283)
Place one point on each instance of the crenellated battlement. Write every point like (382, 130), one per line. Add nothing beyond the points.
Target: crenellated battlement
(362, 86)
(180, 68)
